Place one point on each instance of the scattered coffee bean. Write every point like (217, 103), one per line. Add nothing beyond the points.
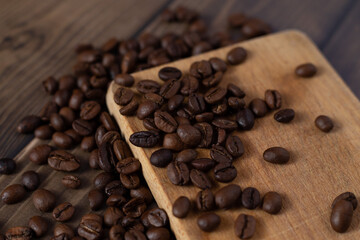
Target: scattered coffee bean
(258, 107)
(203, 164)
(148, 86)
(276, 155)
(44, 200)
(165, 122)
(348, 196)
(234, 146)
(71, 181)
(341, 216)
(28, 124)
(158, 233)
(112, 215)
(190, 85)
(285, 115)
(245, 118)
(181, 207)
(236, 56)
(189, 134)
(39, 225)
(40, 154)
(96, 198)
(306, 70)
(115, 187)
(124, 79)
(217, 64)
(7, 166)
(43, 132)
(225, 172)
(175, 102)
(90, 226)
(272, 202)
(200, 179)
(220, 154)
(130, 109)
(63, 161)
(186, 155)
(208, 221)
(273, 99)
(135, 207)
(90, 110)
(205, 200)
(130, 181)
(324, 123)
(63, 212)
(13, 194)
(245, 226)
(228, 196)
(123, 96)
(146, 108)
(102, 179)
(24, 233)
(161, 157)
(145, 139)
(178, 173)
(128, 166)
(30, 180)
(250, 198)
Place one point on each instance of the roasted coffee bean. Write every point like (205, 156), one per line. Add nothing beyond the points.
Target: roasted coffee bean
(123, 96)
(196, 103)
(145, 139)
(189, 134)
(341, 216)
(100, 132)
(96, 94)
(217, 64)
(39, 154)
(178, 173)
(200, 179)
(62, 140)
(158, 234)
(234, 146)
(98, 81)
(228, 196)
(273, 99)
(76, 99)
(112, 215)
(63, 161)
(254, 27)
(175, 102)
(186, 155)
(73, 135)
(106, 157)
(205, 200)
(213, 80)
(130, 181)
(348, 196)
(284, 115)
(121, 150)
(225, 172)
(96, 199)
(57, 122)
(91, 226)
(235, 91)
(258, 107)
(142, 192)
(115, 187)
(13, 194)
(170, 88)
(149, 124)
(28, 124)
(201, 69)
(157, 217)
(134, 234)
(132, 224)
(156, 98)
(182, 120)
(39, 225)
(204, 117)
(124, 79)
(63, 212)
(67, 82)
(207, 134)
(148, 86)
(108, 122)
(50, 85)
(190, 85)
(43, 132)
(220, 137)
(161, 158)
(215, 95)
(116, 232)
(128, 166)
(244, 226)
(146, 108)
(203, 164)
(237, 20)
(220, 108)
(7, 165)
(181, 207)
(82, 127)
(168, 73)
(225, 124)
(116, 200)
(130, 109)
(236, 103)
(250, 198)
(220, 154)
(245, 118)
(88, 143)
(63, 231)
(44, 200)
(48, 109)
(165, 122)
(276, 155)
(306, 70)
(134, 208)
(102, 179)
(128, 61)
(208, 222)
(23, 233)
(89, 110)
(172, 141)
(272, 202)
(62, 97)
(111, 137)
(71, 181)
(30, 180)
(68, 115)
(236, 55)
(324, 123)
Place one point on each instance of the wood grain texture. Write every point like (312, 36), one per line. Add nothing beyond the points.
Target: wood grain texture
(321, 166)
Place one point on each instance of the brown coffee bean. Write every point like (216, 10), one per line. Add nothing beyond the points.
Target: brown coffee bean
(130, 181)
(43, 132)
(215, 95)
(68, 115)
(228, 196)
(7, 165)
(76, 99)
(67, 82)
(235, 91)
(170, 88)
(324, 123)
(236, 56)
(208, 221)
(39, 225)
(57, 122)
(205, 200)
(108, 122)
(115, 187)
(258, 107)
(201, 69)
(244, 226)
(128, 62)
(23, 233)
(284, 115)
(74, 135)
(172, 141)
(28, 124)
(63, 161)
(90, 110)
(234, 146)
(148, 86)
(203, 164)
(96, 199)
(134, 208)
(212, 80)
(71, 181)
(62, 140)
(116, 200)
(106, 157)
(196, 103)
(130, 109)
(207, 134)
(63, 212)
(156, 98)
(348, 196)
(190, 85)
(181, 207)
(175, 102)
(236, 103)
(225, 124)
(189, 135)
(49, 108)
(121, 150)
(50, 85)
(220, 108)
(178, 173)
(186, 155)
(306, 70)
(250, 198)
(237, 20)
(82, 127)
(225, 172)
(165, 122)
(200, 179)
(145, 139)
(204, 117)
(341, 216)
(146, 108)
(158, 233)
(102, 179)
(128, 166)
(245, 119)
(272, 202)
(44, 200)
(273, 99)
(91, 226)
(112, 216)
(157, 217)
(161, 157)
(123, 96)
(134, 234)
(217, 64)
(13, 194)
(168, 73)
(39, 154)
(62, 97)
(88, 143)
(124, 79)
(277, 155)
(30, 180)
(220, 154)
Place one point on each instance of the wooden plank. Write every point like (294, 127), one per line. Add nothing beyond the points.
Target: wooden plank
(321, 166)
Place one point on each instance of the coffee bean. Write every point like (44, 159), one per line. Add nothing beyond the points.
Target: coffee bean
(225, 172)
(196, 103)
(134, 208)
(245, 226)
(49, 108)
(201, 69)
(341, 216)
(181, 207)
(123, 96)
(63, 161)
(236, 55)
(112, 215)
(128, 166)
(272, 202)
(132, 224)
(96, 94)
(62, 140)
(161, 158)
(39, 154)
(168, 73)
(157, 217)
(90, 226)
(134, 234)
(43, 132)
(165, 122)
(284, 115)
(82, 127)
(156, 98)
(258, 107)
(217, 64)
(208, 221)
(207, 134)
(130, 109)
(245, 119)
(89, 110)
(205, 200)
(200, 179)
(50, 85)
(7, 166)
(237, 20)
(170, 88)
(236, 103)
(102, 179)
(250, 198)
(128, 62)
(189, 135)
(306, 70)
(158, 234)
(76, 138)
(189, 85)
(106, 157)
(276, 155)
(220, 137)
(145, 139)
(142, 192)
(63, 212)
(39, 225)
(23, 233)
(116, 200)
(178, 173)
(273, 99)
(254, 27)
(235, 91)
(186, 155)
(76, 99)
(228, 196)
(203, 164)
(67, 82)
(124, 79)
(146, 108)
(215, 95)
(225, 124)
(62, 97)
(234, 146)
(115, 187)
(220, 154)
(71, 181)
(213, 80)
(116, 232)
(130, 181)
(182, 120)
(201, 47)
(324, 123)
(148, 86)
(57, 122)
(204, 117)
(13, 194)
(96, 199)
(30, 180)
(28, 124)
(172, 141)
(175, 102)
(121, 149)
(220, 108)
(108, 122)
(44, 200)
(348, 196)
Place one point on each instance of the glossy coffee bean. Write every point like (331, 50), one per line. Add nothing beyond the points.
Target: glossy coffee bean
(128, 61)
(189, 85)
(207, 134)
(157, 217)
(341, 216)
(161, 157)
(235, 91)
(145, 139)
(30, 180)
(245, 119)
(43, 132)
(245, 226)
(142, 192)
(24, 233)
(116, 232)
(130, 181)
(306, 70)
(74, 135)
(13, 194)
(165, 122)
(121, 150)
(234, 146)
(225, 172)
(175, 102)
(39, 225)
(284, 115)
(148, 86)
(134, 234)
(116, 200)
(76, 99)
(189, 134)
(62, 140)
(168, 73)
(258, 107)
(90, 110)
(50, 85)
(102, 179)
(236, 103)
(96, 199)
(324, 123)
(63, 161)
(7, 165)
(273, 99)
(146, 108)
(123, 96)
(128, 165)
(213, 80)
(200, 179)
(82, 127)
(208, 222)
(28, 124)
(124, 79)
(91, 226)
(134, 208)
(181, 207)
(205, 200)
(68, 115)
(108, 122)
(237, 20)
(158, 234)
(71, 181)
(203, 164)
(204, 117)
(43, 200)
(348, 196)
(201, 69)
(228, 196)
(236, 56)
(57, 122)
(186, 155)
(156, 98)
(170, 88)
(250, 198)
(62, 97)
(217, 64)
(63, 212)
(215, 95)
(272, 202)
(40, 154)
(130, 109)
(115, 187)
(49, 108)
(178, 173)
(112, 215)
(220, 154)
(277, 155)
(225, 124)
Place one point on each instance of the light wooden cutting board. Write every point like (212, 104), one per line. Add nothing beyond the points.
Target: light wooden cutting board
(321, 166)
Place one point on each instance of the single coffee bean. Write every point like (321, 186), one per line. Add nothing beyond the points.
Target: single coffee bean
(63, 161)
(161, 158)
(324, 123)
(132, 224)
(208, 221)
(68, 115)
(200, 179)
(62, 97)
(157, 217)
(62, 140)
(76, 138)
(272, 202)
(23, 233)
(121, 149)
(258, 107)
(115, 187)
(306, 70)
(130, 181)
(30, 180)
(112, 215)
(245, 118)
(90, 110)
(158, 234)
(175, 102)
(234, 146)
(130, 109)
(50, 85)
(220, 108)
(96, 199)
(236, 103)
(186, 155)
(102, 179)
(225, 172)
(217, 64)
(148, 86)
(203, 164)
(39, 225)
(49, 108)
(204, 117)
(170, 88)
(91, 226)
(13, 194)
(235, 91)
(178, 173)
(67, 82)
(123, 96)
(220, 137)
(63, 212)
(196, 103)
(88, 143)
(7, 165)
(108, 122)
(146, 108)
(128, 61)
(82, 127)
(76, 99)
(28, 124)
(111, 137)
(189, 135)
(245, 226)
(124, 79)
(40, 154)
(207, 134)
(215, 95)
(189, 85)
(348, 196)
(71, 181)
(228, 196)
(43, 132)
(273, 99)
(43, 200)
(250, 198)
(128, 166)
(284, 115)
(205, 200)
(165, 122)
(220, 154)
(116, 232)
(181, 207)
(173, 142)
(134, 208)
(145, 139)
(134, 234)
(142, 192)
(225, 124)
(182, 120)
(213, 80)
(254, 27)
(236, 56)
(341, 216)
(156, 98)
(106, 157)
(116, 200)
(201, 69)
(149, 124)
(276, 155)
(168, 73)
(57, 122)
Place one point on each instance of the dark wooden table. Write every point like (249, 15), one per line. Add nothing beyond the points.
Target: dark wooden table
(37, 39)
